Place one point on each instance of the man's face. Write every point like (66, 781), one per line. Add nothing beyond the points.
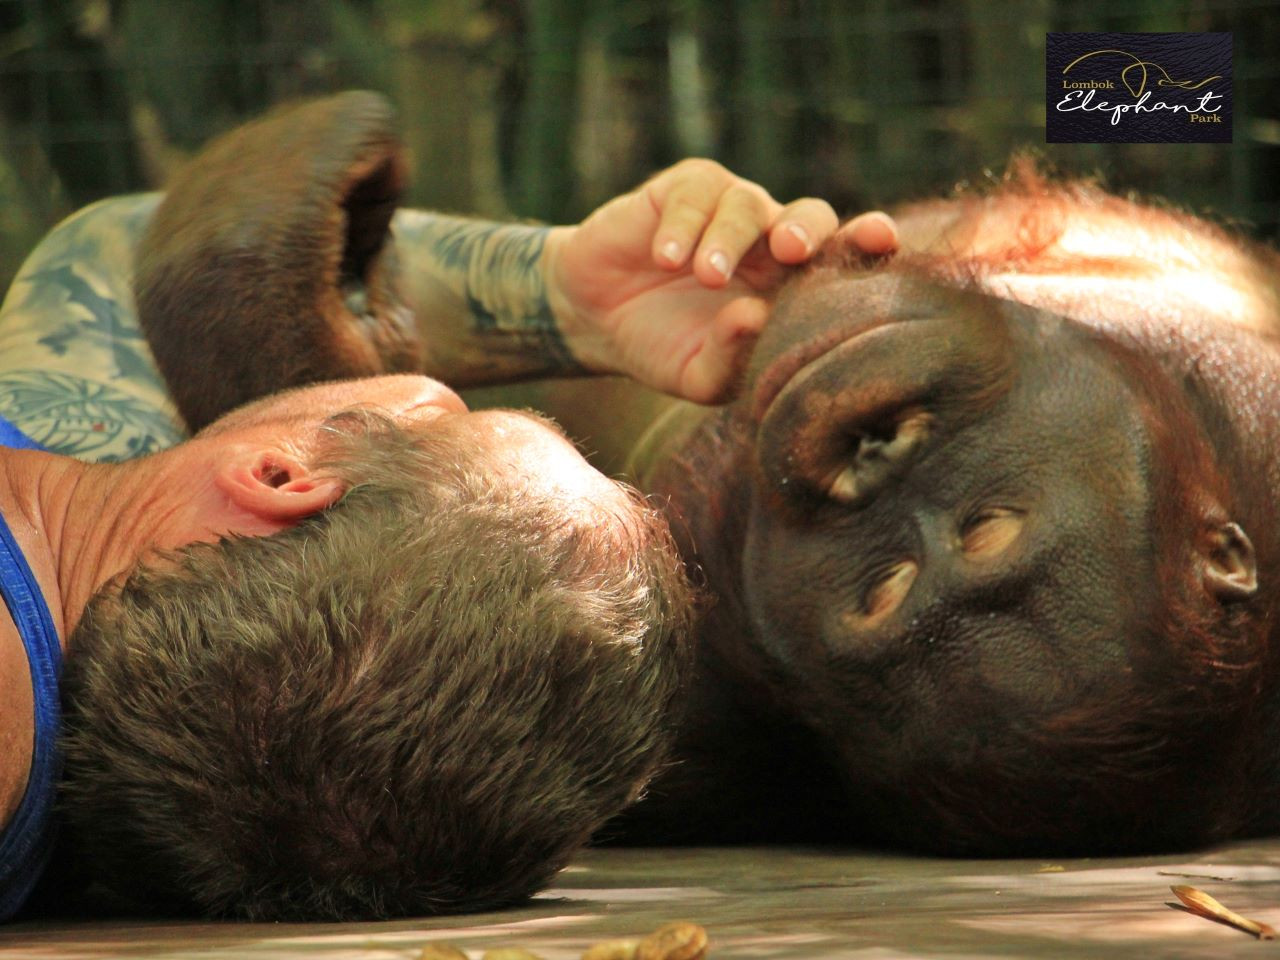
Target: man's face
(405, 399)
(530, 449)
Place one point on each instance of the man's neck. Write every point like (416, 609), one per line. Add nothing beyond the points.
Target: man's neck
(81, 524)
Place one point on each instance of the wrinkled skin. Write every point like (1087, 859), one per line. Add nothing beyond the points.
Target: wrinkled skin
(991, 531)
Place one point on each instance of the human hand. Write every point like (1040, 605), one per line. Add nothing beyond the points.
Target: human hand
(670, 283)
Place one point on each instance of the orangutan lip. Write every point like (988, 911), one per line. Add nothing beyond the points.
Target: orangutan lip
(791, 362)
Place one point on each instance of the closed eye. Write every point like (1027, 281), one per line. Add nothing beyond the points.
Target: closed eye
(890, 590)
(990, 532)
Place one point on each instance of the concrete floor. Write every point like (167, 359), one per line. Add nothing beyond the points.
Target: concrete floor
(781, 903)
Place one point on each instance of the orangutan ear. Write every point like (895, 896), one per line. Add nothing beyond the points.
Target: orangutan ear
(275, 486)
(1230, 568)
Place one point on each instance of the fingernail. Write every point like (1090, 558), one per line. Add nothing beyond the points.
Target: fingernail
(884, 220)
(801, 234)
(671, 251)
(719, 262)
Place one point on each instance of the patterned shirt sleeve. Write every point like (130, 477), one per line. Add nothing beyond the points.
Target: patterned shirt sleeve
(76, 374)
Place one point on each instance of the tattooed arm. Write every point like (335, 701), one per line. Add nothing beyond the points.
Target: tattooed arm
(268, 266)
(668, 284)
(479, 293)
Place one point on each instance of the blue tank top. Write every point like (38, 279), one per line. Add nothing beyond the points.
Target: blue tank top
(27, 840)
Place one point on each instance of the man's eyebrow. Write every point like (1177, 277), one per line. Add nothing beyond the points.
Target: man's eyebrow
(543, 420)
(244, 414)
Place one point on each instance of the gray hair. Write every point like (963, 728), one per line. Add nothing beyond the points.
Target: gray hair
(424, 699)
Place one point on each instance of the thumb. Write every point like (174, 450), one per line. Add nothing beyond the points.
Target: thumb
(713, 372)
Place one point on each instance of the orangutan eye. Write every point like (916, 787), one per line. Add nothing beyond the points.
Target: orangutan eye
(990, 531)
(887, 595)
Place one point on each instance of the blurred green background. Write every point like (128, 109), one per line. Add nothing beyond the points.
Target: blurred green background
(544, 108)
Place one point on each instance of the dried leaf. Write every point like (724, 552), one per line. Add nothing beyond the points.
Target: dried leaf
(1201, 904)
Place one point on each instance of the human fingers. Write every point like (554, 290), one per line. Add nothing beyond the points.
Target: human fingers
(741, 219)
(710, 217)
(873, 232)
(686, 197)
(801, 228)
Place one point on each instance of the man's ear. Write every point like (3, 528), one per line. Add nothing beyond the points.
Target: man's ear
(1230, 568)
(275, 486)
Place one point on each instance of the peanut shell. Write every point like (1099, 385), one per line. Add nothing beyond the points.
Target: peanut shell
(442, 951)
(674, 941)
(612, 950)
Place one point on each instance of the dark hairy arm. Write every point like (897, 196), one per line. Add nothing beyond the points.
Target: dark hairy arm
(278, 258)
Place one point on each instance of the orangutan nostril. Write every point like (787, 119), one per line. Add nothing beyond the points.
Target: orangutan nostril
(845, 488)
(879, 454)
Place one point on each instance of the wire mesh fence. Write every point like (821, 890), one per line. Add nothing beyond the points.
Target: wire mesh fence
(543, 108)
